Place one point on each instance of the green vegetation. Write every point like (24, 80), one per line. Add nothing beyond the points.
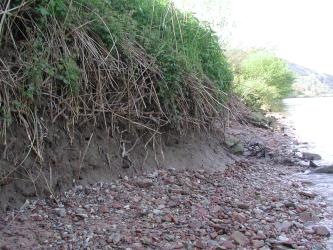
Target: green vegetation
(263, 80)
(141, 64)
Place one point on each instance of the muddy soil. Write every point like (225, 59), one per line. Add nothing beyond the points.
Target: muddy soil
(87, 156)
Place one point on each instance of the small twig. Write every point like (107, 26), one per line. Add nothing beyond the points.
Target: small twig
(84, 155)
(3, 18)
(108, 160)
(4, 154)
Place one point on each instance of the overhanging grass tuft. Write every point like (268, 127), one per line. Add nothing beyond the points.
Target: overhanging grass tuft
(136, 63)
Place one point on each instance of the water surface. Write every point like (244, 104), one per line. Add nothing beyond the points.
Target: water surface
(312, 119)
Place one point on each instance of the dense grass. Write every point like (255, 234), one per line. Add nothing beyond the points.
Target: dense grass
(263, 79)
(140, 63)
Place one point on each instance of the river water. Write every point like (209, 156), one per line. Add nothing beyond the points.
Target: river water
(312, 119)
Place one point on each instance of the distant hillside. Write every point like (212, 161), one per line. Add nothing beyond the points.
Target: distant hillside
(310, 82)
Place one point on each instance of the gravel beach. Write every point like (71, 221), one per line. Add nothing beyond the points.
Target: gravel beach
(255, 203)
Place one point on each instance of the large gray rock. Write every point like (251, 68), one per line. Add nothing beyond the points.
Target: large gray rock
(234, 145)
(284, 226)
(324, 170)
(256, 148)
(308, 217)
(258, 119)
(321, 230)
(310, 156)
(240, 238)
(313, 164)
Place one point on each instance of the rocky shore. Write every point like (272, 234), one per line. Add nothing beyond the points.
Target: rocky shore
(255, 203)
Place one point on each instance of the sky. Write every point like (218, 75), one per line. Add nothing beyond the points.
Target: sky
(300, 31)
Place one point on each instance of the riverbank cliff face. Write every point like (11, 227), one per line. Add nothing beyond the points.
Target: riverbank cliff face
(240, 195)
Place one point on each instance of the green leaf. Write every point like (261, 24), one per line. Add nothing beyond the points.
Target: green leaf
(43, 11)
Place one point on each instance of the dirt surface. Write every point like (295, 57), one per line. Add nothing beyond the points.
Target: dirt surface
(253, 203)
(88, 156)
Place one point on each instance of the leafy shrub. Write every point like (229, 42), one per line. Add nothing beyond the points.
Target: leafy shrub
(263, 80)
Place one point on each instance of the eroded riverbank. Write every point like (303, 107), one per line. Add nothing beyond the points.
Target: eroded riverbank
(256, 203)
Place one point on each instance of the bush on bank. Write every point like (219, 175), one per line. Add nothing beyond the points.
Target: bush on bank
(262, 79)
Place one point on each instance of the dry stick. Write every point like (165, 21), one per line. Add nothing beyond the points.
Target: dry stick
(3, 18)
(39, 140)
(134, 122)
(125, 153)
(145, 147)
(84, 155)
(35, 139)
(155, 154)
(128, 151)
(57, 115)
(69, 8)
(109, 160)
(4, 153)
(32, 179)
(99, 82)
(7, 100)
(48, 182)
(81, 26)
(10, 10)
(109, 31)
(235, 114)
(137, 88)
